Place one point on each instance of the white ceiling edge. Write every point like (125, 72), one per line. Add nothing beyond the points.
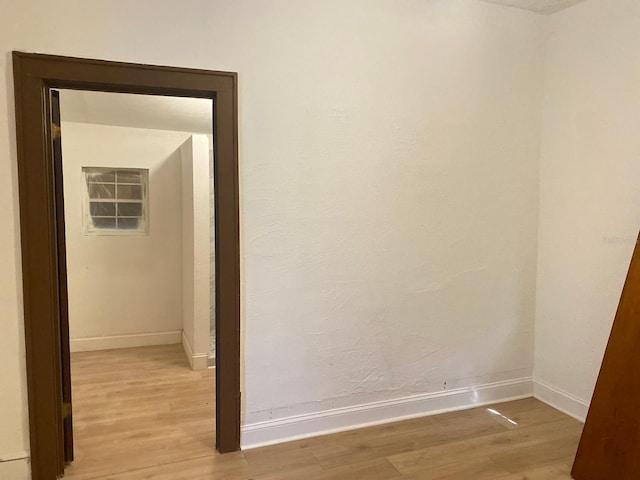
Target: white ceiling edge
(194, 115)
(545, 7)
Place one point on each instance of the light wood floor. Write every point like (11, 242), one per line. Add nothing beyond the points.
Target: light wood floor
(141, 414)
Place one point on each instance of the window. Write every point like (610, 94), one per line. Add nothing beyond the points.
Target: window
(115, 201)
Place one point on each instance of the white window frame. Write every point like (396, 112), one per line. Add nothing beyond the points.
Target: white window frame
(87, 219)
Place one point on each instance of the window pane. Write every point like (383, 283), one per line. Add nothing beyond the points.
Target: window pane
(104, 176)
(102, 209)
(104, 223)
(125, 176)
(129, 209)
(130, 192)
(128, 223)
(116, 199)
(102, 190)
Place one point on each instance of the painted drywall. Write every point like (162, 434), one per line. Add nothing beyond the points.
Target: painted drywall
(15, 469)
(124, 285)
(388, 176)
(196, 272)
(545, 7)
(589, 195)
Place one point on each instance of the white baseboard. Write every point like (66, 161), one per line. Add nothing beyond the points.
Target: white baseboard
(15, 468)
(124, 341)
(560, 400)
(197, 361)
(340, 419)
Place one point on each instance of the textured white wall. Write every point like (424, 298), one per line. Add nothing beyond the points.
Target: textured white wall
(589, 194)
(196, 263)
(388, 174)
(121, 285)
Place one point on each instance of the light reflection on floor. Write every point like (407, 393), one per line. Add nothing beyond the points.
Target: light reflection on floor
(495, 412)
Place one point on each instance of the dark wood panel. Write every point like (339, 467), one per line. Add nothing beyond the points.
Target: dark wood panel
(65, 358)
(39, 274)
(610, 443)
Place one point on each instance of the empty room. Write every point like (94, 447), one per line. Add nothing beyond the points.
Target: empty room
(293, 239)
(137, 180)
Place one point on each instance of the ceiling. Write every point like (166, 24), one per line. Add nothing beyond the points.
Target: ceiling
(546, 7)
(139, 111)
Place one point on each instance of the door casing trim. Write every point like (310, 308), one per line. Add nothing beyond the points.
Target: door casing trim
(34, 76)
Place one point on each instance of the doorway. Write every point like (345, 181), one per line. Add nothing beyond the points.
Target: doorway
(44, 248)
(137, 174)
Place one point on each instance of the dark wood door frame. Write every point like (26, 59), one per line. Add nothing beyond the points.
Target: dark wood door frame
(34, 76)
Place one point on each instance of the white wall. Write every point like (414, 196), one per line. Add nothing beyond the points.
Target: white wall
(589, 192)
(389, 204)
(124, 285)
(388, 187)
(196, 276)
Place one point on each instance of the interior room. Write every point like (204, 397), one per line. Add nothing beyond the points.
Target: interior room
(119, 294)
(139, 230)
(436, 211)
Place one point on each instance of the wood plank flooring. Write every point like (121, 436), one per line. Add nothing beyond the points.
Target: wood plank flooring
(142, 414)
